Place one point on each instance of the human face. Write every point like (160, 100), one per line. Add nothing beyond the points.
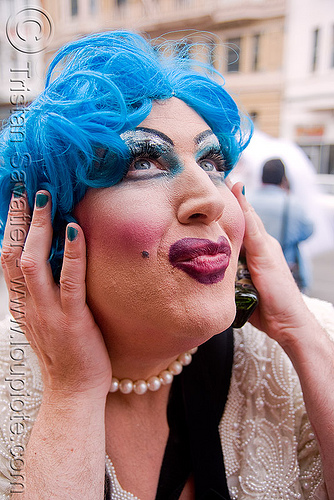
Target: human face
(163, 244)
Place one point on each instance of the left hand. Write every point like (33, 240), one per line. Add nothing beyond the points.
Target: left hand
(281, 310)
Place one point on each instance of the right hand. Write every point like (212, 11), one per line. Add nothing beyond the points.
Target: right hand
(58, 323)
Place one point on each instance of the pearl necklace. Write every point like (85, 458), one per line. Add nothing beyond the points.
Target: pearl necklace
(126, 385)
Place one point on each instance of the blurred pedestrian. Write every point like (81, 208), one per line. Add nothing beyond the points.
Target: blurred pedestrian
(283, 217)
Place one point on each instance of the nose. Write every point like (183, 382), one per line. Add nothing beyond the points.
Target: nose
(200, 198)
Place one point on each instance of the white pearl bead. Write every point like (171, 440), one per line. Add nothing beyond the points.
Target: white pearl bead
(140, 387)
(166, 377)
(259, 403)
(175, 367)
(114, 384)
(185, 358)
(153, 383)
(126, 386)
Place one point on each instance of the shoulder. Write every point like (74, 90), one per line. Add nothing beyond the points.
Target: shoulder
(265, 427)
(323, 311)
(20, 398)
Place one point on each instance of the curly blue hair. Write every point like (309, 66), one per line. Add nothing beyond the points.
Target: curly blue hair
(96, 88)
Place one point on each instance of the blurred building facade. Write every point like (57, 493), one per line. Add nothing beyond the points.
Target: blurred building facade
(277, 56)
(308, 102)
(21, 55)
(244, 39)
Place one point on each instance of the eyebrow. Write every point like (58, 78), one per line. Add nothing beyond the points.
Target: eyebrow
(203, 135)
(153, 131)
(197, 139)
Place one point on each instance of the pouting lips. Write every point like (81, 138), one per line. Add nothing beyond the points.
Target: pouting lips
(202, 259)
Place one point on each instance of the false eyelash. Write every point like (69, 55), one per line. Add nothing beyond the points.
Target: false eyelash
(217, 157)
(145, 150)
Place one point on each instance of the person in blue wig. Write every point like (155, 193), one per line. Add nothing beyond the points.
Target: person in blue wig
(121, 375)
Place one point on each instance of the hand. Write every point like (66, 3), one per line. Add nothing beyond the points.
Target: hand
(281, 308)
(58, 323)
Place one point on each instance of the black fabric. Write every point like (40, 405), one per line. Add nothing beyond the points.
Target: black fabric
(107, 488)
(197, 401)
(176, 466)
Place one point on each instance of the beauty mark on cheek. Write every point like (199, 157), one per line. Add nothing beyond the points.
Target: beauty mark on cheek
(145, 254)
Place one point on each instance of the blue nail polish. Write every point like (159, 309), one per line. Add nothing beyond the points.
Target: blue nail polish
(243, 190)
(41, 200)
(72, 233)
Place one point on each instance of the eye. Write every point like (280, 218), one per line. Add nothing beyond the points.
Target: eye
(212, 161)
(207, 165)
(142, 164)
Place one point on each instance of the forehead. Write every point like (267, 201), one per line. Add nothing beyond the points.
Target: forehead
(177, 120)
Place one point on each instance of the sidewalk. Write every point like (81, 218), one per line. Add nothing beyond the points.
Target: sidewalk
(323, 277)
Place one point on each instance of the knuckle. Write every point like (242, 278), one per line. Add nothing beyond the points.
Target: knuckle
(68, 285)
(29, 265)
(8, 256)
(39, 221)
(71, 254)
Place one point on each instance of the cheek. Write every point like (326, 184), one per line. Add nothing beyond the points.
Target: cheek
(139, 235)
(136, 232)
(234, 225)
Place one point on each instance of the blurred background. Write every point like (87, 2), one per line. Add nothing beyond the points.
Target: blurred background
(277, 58)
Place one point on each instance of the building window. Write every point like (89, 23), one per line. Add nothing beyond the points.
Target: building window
(233, 55)
(74, 8)
(255, 53)
(93, 6)
(331, 159)
(315, 49)
(182, 50)
(253, 115)
(211, 53)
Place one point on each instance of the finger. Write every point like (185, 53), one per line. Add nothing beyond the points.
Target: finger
(35, 264)
(73, 274)
(255, 233)
(16, 230)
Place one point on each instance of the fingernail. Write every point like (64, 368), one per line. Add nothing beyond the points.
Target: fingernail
(72, 233)
(41, 200)
(243, 190)
(18, 190)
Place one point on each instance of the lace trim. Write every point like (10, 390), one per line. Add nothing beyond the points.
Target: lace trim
(117, 493)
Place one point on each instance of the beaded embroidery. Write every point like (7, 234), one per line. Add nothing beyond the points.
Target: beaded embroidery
(269, 448)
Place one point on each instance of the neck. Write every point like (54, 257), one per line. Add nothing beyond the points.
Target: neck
(140, 360)
(156, 381)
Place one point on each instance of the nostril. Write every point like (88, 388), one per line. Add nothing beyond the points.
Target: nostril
(195, 216)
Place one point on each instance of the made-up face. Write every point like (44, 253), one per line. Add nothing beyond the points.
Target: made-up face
(163, 244)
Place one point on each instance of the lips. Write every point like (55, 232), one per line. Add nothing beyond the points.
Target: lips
(204, 260)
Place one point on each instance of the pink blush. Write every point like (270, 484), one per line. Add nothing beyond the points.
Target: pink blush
(133, 236)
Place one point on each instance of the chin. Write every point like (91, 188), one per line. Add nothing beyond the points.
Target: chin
(207, 320)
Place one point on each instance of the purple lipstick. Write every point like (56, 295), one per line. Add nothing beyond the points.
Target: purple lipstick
(204, 260)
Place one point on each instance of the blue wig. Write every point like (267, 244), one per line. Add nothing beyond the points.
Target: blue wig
(96, 88)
